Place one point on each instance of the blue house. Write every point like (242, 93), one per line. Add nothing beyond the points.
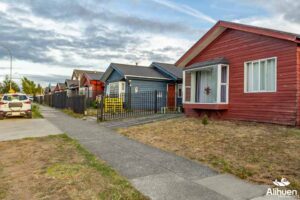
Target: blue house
(134, 80)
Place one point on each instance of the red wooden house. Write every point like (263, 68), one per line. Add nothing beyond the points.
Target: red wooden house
(92, 84)
(243, 72)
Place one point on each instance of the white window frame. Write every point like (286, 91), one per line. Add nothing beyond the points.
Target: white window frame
(193, 85)
(246, 75)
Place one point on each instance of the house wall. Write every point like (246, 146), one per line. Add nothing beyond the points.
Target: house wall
(114, 76)
(146, 96)
(238, 47)
(298, 86)
(148, 85)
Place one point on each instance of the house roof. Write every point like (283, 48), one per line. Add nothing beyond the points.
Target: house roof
(94, 75)
(52, 88)
(79, 72)
(71, 83)
(133, 71)
(207, 63)
(62, 85)
(220, 27)
(171, 69)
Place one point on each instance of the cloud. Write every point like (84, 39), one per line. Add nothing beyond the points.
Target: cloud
(185, 9)
(287, 9)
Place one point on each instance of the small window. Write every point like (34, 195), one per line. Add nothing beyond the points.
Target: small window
(260, 75)
(136, 89)
(159, 94)
(179, 90)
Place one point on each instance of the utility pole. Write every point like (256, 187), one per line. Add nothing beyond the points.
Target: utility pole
(10, 76)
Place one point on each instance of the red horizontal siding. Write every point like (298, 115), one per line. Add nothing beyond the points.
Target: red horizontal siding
(239, 47)
(298, 86)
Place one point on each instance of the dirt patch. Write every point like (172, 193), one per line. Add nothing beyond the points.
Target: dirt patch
(57, 167)
(252, 151)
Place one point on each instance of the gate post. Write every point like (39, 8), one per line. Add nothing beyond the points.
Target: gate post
(100, 110)
(155, 101)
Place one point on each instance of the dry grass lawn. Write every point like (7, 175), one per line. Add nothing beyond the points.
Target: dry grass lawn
(252, 151)
(57, 167)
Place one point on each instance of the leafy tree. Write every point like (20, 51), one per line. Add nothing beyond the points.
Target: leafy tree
(4, 88)
(39, 89)
(28, 86)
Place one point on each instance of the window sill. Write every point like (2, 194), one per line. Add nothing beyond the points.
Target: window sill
(204, 106)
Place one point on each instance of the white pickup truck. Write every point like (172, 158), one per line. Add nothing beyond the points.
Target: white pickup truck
(16, 104)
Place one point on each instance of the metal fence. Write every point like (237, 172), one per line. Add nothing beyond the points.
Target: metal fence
(60, 100)
(124, 105)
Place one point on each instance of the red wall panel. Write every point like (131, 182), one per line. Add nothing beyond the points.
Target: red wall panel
(238, 47)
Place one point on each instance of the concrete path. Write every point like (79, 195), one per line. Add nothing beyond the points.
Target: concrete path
(18, 128)
(156, 173)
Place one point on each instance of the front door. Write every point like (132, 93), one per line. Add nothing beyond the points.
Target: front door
(171, 96)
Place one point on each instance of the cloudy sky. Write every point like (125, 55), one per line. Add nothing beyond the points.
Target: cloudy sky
(50, 38)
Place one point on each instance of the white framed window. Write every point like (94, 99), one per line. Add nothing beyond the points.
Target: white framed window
(209, 84)
(260, 75)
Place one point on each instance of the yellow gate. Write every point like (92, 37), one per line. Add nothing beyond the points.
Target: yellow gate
(113, 105)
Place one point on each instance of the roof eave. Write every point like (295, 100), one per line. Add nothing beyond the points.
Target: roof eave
(164, 70)
(219, 28)
(200, 45)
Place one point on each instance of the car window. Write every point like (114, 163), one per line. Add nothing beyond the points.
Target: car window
(22, 97)
(14, 97)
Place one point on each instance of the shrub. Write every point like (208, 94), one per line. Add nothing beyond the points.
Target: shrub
(204, 120)
(94, 104)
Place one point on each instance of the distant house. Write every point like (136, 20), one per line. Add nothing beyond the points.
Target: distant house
(243, 72)
(60, 87)
(78, 74)
(72, 87)
(92, 83)
(133, 79)
(49, 90)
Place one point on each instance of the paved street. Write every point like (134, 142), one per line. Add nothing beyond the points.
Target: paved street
(17, 128)
(156, 173)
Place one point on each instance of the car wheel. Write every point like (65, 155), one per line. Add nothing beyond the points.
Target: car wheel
(1, 117)
(29, 116)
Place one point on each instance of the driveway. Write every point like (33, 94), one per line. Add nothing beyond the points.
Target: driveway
(18, 128)
(156, 173)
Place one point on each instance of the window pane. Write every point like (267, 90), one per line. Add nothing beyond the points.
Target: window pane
(224, 74)
(223, 93)
(256, 76)
(263, 75)
(270, 79)
(249, 77)
(206, 90)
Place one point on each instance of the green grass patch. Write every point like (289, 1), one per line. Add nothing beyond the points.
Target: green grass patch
(118, 185)
(36, 113)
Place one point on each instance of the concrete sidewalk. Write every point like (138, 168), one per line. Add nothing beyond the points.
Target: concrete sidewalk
(18, 128)
(156, 173)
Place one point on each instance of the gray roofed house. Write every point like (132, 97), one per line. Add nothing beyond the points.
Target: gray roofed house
(124, 78)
